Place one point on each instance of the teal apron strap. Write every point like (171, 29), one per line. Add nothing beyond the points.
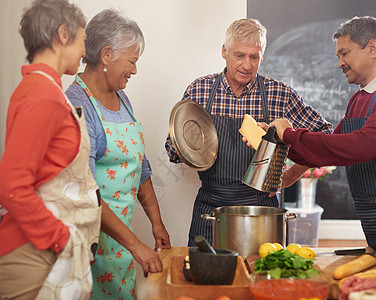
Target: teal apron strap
(94, 101)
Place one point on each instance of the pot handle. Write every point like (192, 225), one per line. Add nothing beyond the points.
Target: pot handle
(289, 216)
(208, 217)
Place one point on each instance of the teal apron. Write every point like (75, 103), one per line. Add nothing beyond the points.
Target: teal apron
(118, 175)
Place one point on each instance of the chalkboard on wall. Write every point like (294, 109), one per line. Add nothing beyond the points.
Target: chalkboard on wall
(301, 53)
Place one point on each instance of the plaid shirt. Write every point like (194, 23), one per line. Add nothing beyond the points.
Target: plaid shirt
(283, 102)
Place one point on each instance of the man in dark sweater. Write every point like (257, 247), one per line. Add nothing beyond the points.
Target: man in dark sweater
(353, 143)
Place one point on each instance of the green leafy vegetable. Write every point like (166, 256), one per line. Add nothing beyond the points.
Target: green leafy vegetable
(283, 263)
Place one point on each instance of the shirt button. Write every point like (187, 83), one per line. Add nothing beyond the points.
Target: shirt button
(56, 246)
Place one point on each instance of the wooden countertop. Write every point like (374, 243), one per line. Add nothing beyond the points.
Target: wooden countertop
(157, 283)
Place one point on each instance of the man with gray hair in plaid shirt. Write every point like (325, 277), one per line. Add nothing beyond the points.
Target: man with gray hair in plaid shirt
(227, 96)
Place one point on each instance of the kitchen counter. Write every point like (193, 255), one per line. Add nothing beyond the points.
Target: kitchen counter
(156, 286)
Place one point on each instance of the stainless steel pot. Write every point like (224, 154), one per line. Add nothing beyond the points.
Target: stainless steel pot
(245, 228)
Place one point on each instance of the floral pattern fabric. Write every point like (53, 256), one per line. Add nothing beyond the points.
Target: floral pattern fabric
(118, 175)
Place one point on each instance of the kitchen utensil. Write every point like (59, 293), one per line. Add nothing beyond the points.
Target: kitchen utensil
(350, 251)
(176, 284)
(266, 168)
(193, 135)
(245, 228)
(203, 244)
(355, 251)
(209, 268)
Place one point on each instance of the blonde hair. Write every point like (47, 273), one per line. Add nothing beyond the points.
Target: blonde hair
(249, 30)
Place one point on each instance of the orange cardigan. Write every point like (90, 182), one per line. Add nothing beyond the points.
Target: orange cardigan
(42, 138)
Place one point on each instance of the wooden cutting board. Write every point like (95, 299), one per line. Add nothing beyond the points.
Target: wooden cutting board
(178, 286)
(326, 264)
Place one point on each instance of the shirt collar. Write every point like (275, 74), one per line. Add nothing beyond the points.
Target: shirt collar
(370, 87)
(227, 86)
(224, 80)
(27, 69)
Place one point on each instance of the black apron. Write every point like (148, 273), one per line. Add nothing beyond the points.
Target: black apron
(221, 184)
(362, 181)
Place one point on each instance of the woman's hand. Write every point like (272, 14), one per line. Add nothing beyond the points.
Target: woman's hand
(161, 236)
(148, 200)
(147, 258)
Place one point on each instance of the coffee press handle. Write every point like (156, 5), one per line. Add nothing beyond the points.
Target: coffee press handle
(270, 135)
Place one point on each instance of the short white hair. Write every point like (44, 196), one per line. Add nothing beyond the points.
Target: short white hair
(249, 30)
(111, 28)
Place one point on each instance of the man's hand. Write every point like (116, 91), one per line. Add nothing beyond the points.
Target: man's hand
(291, 175)
(263, 125)
(281, 125)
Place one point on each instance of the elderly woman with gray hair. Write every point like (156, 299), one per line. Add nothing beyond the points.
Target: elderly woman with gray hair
(49, 210)
(113, 46)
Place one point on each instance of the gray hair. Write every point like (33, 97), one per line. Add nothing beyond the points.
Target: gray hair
(360, 29)
(40, 23)
(249, 30)
(111, 28)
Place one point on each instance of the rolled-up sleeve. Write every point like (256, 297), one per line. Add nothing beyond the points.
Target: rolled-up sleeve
(146, 170)
(171, 151)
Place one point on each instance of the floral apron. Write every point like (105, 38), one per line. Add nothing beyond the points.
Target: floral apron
(71, 196)
(118, 175)
(362, 180)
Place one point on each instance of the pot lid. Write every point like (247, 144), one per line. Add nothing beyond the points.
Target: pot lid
(193, 135)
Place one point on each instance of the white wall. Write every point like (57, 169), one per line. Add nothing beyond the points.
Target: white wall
(183, 41)
(12, 56)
